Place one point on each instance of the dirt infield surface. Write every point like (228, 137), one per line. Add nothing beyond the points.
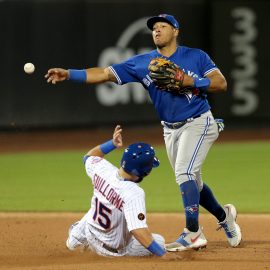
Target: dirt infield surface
(83, 139)
(37, 241)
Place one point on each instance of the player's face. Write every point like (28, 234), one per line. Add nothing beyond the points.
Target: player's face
(164, 34)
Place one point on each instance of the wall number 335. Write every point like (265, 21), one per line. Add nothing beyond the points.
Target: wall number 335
(245, 68)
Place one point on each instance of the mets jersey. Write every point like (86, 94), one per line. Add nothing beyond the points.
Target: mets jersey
(117, 205)
(170, 107)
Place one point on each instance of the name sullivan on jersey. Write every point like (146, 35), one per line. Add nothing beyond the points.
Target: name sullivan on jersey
(109, 193)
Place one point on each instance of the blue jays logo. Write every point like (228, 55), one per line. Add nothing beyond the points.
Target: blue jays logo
(192, 209)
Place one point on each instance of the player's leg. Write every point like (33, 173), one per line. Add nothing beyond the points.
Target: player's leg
(194, 141)
(226, 216)
(194, 145)
(175, 142)
(172, 141)
(171, 138)
(209, 202)
(76, 235)
(188, 239)
(191, 202)
(134, 247)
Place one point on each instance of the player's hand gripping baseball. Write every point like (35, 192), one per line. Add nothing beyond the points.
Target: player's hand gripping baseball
(117, 136)
(55, 75)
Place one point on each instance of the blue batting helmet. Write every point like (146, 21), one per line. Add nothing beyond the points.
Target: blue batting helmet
(139, 159)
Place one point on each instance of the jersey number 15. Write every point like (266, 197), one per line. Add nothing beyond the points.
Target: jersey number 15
(102, 214)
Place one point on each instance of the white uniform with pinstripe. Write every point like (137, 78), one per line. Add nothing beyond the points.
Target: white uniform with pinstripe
(117, 207)
(188, 146)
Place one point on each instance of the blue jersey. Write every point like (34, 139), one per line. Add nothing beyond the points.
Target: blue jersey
(169, 106)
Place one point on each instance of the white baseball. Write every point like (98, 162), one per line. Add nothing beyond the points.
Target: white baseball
(29, 68)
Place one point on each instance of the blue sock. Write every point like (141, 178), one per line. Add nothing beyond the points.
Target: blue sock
(208, 201)
(191, 198)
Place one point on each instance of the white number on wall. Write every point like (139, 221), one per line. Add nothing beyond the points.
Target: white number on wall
(246, 67)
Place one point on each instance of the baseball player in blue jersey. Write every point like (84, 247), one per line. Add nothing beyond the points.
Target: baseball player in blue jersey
(189, 126)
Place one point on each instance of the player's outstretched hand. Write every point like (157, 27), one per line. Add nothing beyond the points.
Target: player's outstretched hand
(117, 136)
(55, 75)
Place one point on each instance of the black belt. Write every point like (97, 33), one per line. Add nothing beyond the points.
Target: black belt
(113, 250)
(177, 125)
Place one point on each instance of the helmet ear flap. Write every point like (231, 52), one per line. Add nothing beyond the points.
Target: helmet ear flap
(156, 162)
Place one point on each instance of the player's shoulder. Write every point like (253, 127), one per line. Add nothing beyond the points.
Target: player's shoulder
(146, 55)
(95, 163)
(92, 160)
(191, 50)
(132, 190)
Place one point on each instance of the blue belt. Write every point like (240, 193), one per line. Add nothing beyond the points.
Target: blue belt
(177, 125)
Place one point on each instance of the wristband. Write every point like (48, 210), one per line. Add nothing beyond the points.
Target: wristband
(202, 83)
(77, 75)
(107, 147)
(156, 249)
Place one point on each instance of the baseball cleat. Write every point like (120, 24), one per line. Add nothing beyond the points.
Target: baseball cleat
(231, 228)
(188, 240)
(69, 246)
(73, 247)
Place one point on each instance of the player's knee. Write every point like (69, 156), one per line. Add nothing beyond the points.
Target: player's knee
(184, 177)
(200, 185)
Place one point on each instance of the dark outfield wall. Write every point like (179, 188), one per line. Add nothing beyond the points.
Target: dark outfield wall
(81, 34)
(240, 44)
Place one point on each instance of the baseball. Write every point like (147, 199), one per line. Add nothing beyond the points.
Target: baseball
(29, 68)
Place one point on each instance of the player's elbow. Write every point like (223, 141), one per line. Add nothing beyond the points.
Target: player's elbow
(218, 82)
(223, 86)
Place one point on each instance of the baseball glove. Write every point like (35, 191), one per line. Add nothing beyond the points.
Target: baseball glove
(166, 75)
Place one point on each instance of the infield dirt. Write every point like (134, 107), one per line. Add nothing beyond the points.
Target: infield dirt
(58, 140)
(37, 241)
